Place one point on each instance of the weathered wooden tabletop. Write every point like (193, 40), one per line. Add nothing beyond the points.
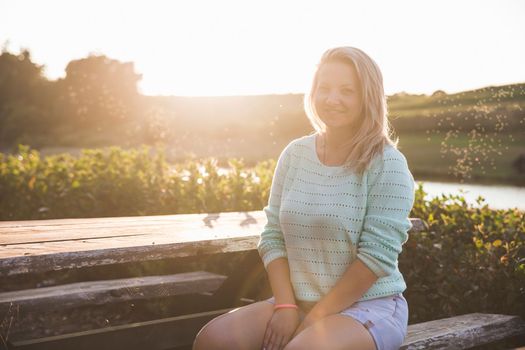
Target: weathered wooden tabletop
(48, 245)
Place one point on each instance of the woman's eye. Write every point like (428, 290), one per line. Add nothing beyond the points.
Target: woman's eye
(347, 91)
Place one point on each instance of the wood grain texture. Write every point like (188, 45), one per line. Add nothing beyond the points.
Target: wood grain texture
(460, 332)
(463, 332)
(159, 334)
(40, 246)
(110, 291)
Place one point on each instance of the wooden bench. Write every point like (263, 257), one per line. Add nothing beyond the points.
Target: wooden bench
(463, 332)
(93, 283)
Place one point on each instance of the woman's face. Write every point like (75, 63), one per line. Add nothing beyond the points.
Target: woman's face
(338, 95)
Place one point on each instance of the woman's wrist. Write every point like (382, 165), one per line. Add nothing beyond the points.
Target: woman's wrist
(285, 306)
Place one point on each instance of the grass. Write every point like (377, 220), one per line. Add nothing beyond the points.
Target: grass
(461, 158)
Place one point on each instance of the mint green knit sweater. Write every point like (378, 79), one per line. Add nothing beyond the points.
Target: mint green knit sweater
(322, 218)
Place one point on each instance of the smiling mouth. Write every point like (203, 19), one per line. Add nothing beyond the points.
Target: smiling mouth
(333, 111)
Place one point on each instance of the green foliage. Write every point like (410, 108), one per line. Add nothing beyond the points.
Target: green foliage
(117, 182)
(24, 96)
(97, 96)
(472, 135)
(470, 259)
(98, 92)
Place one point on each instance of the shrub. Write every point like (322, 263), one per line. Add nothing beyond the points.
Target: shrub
(471, 259)
(117, 182)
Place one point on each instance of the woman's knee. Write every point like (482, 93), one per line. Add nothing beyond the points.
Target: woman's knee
(333, 332)
(212, 336)
(242, 328)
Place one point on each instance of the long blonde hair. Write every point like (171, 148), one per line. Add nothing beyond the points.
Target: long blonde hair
(374, 130)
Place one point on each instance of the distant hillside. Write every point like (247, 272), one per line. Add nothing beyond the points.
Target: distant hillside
(400, 104)
(500, 108)
(97, 104)
(490, 94)
(474, 135)
(238, 114)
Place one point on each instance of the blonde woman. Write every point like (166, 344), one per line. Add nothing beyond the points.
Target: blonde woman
(337, 219)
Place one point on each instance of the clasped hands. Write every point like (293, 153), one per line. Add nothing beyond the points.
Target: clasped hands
(285, 324)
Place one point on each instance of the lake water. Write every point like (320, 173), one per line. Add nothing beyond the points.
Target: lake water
(497, 196)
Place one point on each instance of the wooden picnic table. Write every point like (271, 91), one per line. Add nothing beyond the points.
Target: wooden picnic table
(39, 246)
(57, 247)
(52, 266)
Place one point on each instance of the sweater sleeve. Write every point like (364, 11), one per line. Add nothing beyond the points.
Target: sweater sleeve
(271, 244)
(389, 202)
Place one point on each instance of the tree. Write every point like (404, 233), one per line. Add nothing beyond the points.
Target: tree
(98, 92)
(24, 102)
(439, 93)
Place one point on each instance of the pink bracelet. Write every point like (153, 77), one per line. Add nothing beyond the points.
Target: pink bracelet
(283, 306)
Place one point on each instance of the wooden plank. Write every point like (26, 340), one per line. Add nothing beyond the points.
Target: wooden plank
(41, 231)
(75, 229)
(56, 256)
(211, 224)
(169, 236)
(188, 235)
(208, 227)
(40, 263)
(139, 234)
(460, 332)
(110, 291)
(463, 332)
(98, 220)
(154, 335)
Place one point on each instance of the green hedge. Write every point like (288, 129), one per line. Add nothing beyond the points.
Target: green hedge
(117, 182)
(471, 259)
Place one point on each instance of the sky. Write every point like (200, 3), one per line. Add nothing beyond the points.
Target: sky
(244, 47)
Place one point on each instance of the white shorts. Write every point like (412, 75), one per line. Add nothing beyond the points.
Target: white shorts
(386, 319)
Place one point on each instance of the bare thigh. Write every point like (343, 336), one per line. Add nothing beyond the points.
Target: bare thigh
(333, 332)
(242, 328)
